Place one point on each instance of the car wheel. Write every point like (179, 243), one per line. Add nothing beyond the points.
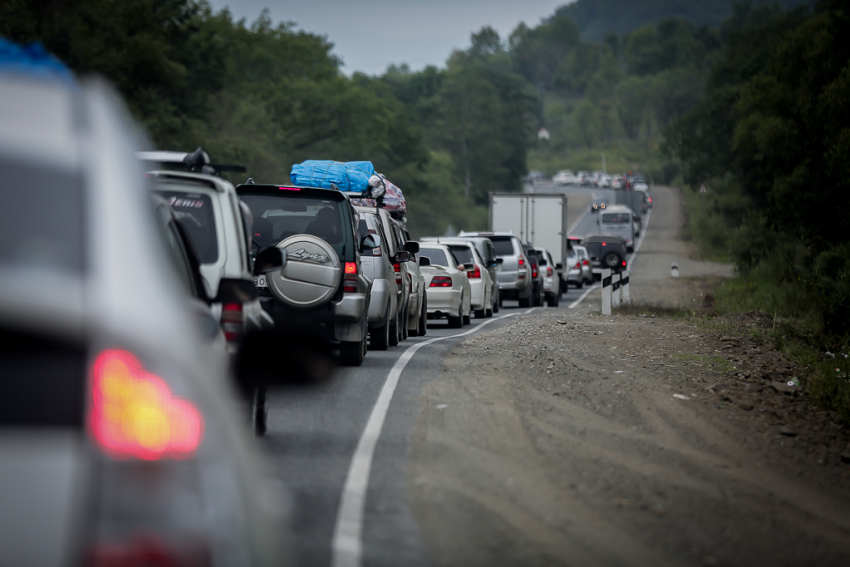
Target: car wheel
(259, 411)
(538, 299)
(580, 284)
(394, 331)
(525, 301)
(455, 322)
(480, 313)
(379, 338)
(423, 317)
(351, 354)
(467, 319)
(497, 304)
(488, 313)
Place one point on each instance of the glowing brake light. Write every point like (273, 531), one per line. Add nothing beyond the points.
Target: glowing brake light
(624, 262)
(603, 244)
(289, 188)
(349, 278)
(134, 414)
(521, 261)
(441, 281)
(549, 271)
(585, 263)
(474, 273)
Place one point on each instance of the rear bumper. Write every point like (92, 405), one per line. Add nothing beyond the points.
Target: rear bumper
(343, 320)
(443, 301)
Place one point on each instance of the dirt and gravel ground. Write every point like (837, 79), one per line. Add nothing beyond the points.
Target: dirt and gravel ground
(569, 438)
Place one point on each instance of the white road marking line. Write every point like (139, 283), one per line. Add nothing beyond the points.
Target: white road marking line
(580, 299)
(631, 261)
(581, 218)
(346, 546)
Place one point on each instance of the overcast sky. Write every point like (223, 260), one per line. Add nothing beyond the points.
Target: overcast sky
(373, 34)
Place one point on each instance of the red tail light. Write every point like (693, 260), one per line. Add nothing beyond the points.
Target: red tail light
(549, 271)
(624, 262)
(232, 321)
(441, 281)
(349, 277)
(533, 270)
(134, 414)
(475, 273)
(577, 266)
(584, 263)
(397, 269)
(521, 261)
(147, 549)
(650, 199)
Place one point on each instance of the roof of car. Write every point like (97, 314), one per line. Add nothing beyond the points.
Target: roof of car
(212, 181)
(618, 209)
(488, 234)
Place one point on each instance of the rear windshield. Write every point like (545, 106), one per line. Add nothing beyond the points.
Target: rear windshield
(41, 220)
(437, 256)
(279, 217)
(195, 212)
(462, 254)
(616, 218)
(503, 246)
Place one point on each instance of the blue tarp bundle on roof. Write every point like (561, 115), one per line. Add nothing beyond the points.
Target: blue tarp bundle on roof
(31, 60)
(348, 176)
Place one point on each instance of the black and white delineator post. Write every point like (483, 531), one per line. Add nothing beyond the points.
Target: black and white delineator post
(615, 290)
(624, 285)
(606, 292)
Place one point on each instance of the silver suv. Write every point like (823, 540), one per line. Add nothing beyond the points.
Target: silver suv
(514, 276)
(117, 412)
(321, 293)
(384, 304)
(219, 229)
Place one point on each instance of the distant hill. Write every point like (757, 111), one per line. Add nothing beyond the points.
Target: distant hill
(595, 18)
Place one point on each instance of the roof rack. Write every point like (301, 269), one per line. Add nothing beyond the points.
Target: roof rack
(196, 162)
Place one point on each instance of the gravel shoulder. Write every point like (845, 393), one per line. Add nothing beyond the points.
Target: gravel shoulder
(568, 438)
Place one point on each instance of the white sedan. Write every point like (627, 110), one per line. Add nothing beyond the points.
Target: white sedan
(565, 177)
(448, 290)
(481, 298)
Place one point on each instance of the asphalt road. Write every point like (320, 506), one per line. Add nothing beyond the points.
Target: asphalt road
(349, 490)
(313, 434)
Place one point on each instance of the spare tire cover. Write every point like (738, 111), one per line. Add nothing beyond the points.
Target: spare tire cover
(311, 275)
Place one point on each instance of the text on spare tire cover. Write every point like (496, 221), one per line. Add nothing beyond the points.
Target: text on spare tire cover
(309, 256)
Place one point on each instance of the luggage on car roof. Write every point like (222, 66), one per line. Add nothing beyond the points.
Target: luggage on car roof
(393, 198)
(327, 174)
(31, 60)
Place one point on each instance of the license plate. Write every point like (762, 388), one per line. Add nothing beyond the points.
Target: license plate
(597, 263)
(260, 281)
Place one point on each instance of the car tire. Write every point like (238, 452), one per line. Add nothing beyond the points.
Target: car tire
(455, 322)
(394, 332)
(538, 299)
(467, 319)
(259, 411)
(525, 301)
(351, 353)
(497, 304)
(423, 317)
(488, 313)
(480, 313)
(379, 338)
(580, 284)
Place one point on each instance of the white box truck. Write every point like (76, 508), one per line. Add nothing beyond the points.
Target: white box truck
(538, 218)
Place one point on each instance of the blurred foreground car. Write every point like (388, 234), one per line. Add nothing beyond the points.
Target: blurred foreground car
(449, 292)
(119, 437)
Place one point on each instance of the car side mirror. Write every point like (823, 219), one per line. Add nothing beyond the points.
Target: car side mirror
(235, 290)
(559, 266)
(369, 242)
(469, 266)
(269, 259)
(412, 247)
(500, 261)
(424, 261)
(402, 256)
